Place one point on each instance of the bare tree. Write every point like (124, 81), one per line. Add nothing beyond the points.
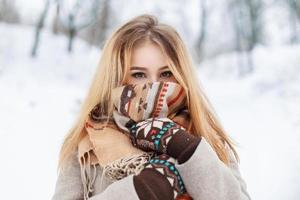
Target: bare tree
(97, 32)
(294, 10)
(8, 11)
(56, 24)
(202, 32)
(248, 27)
(77, 16)
(39, 27)
(247, 22)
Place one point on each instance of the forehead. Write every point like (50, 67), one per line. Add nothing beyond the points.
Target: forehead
(148, 55)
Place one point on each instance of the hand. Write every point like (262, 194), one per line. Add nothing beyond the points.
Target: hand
(163, 135)
(153, 134)
(160, 180)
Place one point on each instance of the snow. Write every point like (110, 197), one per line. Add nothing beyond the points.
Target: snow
(41, 97)
(261, 112)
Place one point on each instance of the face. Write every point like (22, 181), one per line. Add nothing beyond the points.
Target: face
(148, 65)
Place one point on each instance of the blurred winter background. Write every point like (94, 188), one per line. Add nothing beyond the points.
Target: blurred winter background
(248, 59)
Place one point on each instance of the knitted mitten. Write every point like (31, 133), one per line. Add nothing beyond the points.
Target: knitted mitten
(163, 135)
(160, 180)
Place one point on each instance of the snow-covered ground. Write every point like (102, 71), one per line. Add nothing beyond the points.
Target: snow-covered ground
(262, 113)
(40, 99)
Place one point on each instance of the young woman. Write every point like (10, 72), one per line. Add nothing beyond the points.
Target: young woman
(146, 130)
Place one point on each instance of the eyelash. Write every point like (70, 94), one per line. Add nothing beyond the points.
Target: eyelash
(134, 74)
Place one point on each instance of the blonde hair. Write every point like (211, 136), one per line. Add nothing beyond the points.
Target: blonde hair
(113, 65)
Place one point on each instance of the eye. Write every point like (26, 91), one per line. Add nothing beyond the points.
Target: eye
(138, 75)
(167, 74)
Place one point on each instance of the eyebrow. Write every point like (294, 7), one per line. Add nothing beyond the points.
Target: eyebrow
(145, 69)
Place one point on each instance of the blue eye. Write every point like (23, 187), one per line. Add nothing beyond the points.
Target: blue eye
(167, 74)
(137, 75)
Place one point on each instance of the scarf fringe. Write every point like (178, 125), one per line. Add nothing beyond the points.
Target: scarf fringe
(87, 177)
(125, 166)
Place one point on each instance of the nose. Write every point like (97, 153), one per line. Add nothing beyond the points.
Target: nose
(153, 79)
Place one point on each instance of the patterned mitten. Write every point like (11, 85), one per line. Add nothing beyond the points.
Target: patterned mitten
(163, 135)
(160, 180)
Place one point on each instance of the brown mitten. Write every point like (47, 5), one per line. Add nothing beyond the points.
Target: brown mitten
(163, 135)
(160, 180)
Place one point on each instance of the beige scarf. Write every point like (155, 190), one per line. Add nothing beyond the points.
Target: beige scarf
(107, 141)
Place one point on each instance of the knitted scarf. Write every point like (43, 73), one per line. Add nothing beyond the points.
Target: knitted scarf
(107, 138)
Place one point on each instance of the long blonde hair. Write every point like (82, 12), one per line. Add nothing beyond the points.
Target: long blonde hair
(115, 62)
